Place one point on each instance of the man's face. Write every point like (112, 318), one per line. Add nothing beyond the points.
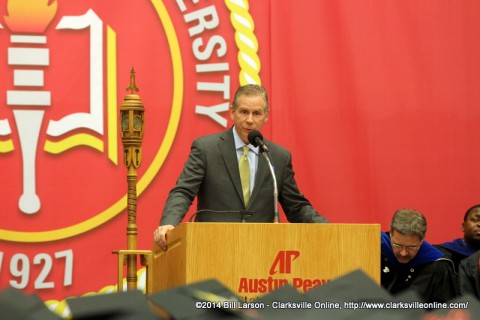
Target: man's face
(471, 227)
(405, 248)
(249, 115)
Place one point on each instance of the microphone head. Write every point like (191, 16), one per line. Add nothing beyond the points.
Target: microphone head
(252, 137)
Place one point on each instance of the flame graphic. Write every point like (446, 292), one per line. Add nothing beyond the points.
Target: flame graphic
(29, 16)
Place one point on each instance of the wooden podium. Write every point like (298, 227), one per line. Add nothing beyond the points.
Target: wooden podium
(255, 258)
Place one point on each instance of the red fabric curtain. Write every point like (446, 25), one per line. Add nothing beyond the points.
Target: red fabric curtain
(378, 101)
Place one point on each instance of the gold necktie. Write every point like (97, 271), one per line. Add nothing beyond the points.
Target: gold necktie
(244, 168)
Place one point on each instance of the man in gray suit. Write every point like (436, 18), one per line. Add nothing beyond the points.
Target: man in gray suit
(212, 173)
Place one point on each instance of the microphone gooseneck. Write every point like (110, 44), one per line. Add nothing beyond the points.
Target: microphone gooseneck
(256, 139)
(243, 214)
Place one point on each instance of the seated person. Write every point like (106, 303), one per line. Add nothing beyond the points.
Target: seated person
(460, 248)
(408, 261)
(469, 269)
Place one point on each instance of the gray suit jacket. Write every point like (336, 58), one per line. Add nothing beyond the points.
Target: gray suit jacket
(211, 173)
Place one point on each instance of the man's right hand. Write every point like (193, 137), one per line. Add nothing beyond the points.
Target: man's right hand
(160, 235)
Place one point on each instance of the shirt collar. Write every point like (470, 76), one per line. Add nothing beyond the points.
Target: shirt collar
(239, 143)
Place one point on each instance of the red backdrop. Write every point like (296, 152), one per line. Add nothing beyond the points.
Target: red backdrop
(378, 102)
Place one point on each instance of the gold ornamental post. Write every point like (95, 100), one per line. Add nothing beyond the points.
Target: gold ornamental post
(132, 128)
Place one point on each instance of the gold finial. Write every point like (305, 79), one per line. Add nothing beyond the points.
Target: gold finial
(132, 87)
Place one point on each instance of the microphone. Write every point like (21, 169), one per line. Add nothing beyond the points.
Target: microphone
(207, 215)
(256, 139)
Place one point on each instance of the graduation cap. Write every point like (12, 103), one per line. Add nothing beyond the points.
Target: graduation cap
(16, 305)
(344, 297)
(352, 287)
(403, 309)
(286, 302)
(207, 299)
(121, 305)
(466, 303)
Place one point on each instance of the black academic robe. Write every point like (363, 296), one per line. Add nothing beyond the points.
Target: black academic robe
(430, 274)
(470, 275)
(456, 250)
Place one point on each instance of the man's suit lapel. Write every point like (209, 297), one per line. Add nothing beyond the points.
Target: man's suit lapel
(227, 149)
(262, 174)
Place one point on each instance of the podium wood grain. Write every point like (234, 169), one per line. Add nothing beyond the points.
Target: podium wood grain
(230, 252)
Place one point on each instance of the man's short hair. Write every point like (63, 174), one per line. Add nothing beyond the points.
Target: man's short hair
(465, 217)
(409, 222)
(251, 90)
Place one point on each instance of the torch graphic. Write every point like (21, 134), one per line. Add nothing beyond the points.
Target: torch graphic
(27, 20)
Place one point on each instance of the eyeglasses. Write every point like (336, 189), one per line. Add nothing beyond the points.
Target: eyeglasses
(407, 248)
